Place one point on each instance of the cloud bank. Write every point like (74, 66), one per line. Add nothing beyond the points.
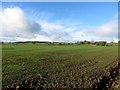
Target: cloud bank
(15, 25)
(105, 32)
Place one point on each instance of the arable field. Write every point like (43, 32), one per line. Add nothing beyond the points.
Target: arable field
(57, 66)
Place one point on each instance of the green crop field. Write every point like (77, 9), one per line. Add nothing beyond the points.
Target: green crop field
(56, 66)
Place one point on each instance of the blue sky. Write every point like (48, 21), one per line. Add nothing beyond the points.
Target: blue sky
(67, 20)
(92, 13)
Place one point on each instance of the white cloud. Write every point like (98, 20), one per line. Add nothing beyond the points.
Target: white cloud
(55, 31)
(17, 26)
(109, 29)
(106, 32)
(15, 23)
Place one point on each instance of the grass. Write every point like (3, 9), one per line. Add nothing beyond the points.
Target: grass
(62, 65)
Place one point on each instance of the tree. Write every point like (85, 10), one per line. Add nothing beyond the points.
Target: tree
(100, 43)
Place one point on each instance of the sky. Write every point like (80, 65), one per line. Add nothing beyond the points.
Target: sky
(59, 21)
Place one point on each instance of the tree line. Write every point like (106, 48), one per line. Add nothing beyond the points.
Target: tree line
(97, 43)
(85, 42)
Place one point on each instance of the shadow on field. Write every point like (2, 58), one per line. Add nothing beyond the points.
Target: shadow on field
(109, 82)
